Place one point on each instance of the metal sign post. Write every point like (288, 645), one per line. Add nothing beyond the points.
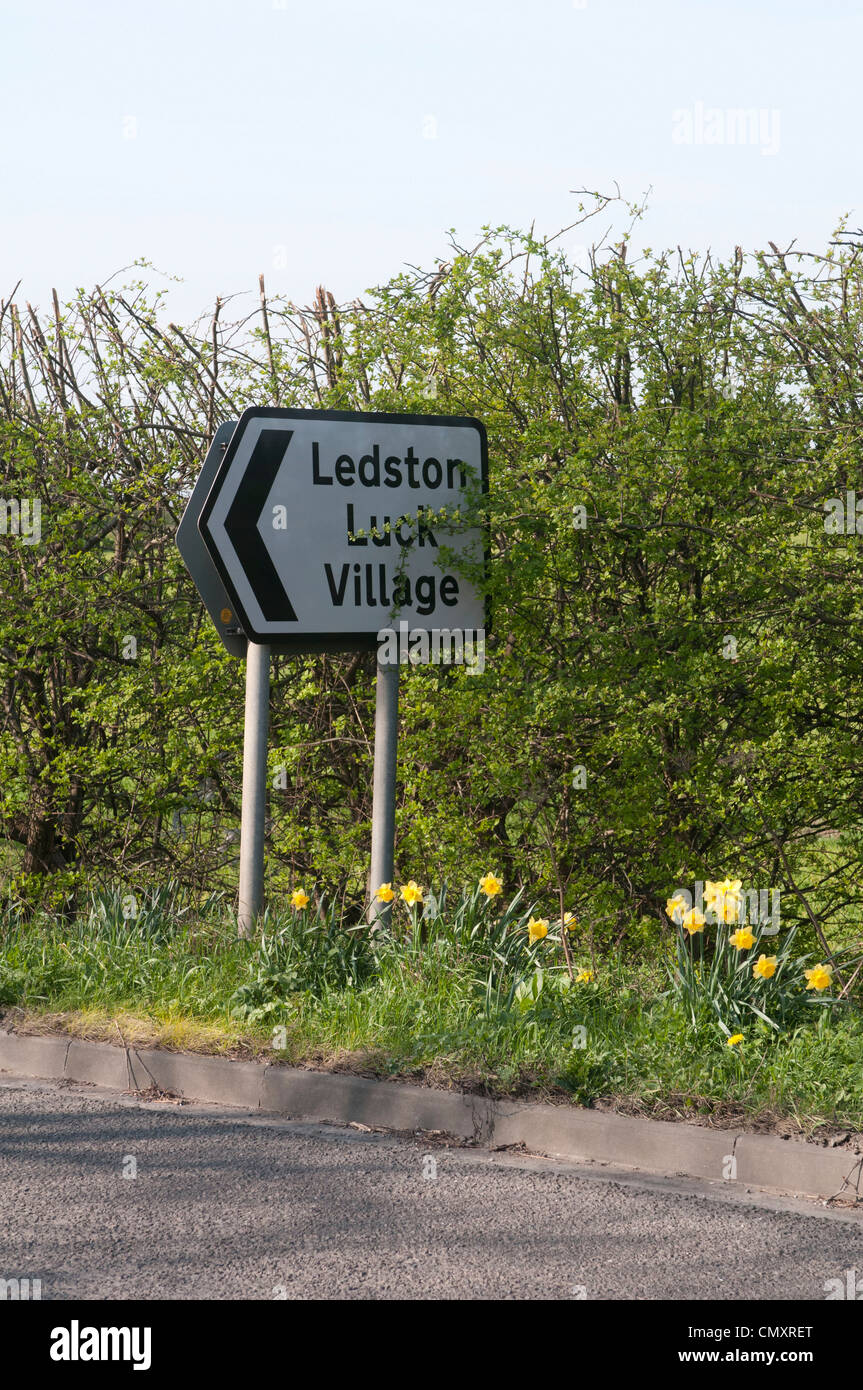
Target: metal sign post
(255, 733)
(384, 788)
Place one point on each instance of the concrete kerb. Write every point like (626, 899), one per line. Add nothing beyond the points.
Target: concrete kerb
(317, 1095)
(803, 1167)
(557, 1131)
(215, 1079)
(34, 1056)
(656, 1145)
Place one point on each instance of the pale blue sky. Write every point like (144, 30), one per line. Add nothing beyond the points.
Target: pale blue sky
(221, 138)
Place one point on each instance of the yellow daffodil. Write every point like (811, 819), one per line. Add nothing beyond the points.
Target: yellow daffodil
(728, 885)
(675, 907)
(584, 977)
(411, 893)
(385, 893)
(820, 977)
(764, 967)
(693, 921)
(491, 885)
(742, 939)
(734, 1040)
(569, 921)
(299, 899)
(724, 899)
(537, 928)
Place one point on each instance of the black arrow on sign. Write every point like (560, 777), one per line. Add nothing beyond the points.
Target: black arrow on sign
(241, 525)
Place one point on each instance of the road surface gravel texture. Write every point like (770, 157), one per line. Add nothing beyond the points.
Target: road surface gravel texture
(226, 1205)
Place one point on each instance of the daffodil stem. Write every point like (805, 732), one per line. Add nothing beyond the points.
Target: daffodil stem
(563, 936)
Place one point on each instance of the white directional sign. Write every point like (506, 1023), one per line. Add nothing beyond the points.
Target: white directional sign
(327, 526)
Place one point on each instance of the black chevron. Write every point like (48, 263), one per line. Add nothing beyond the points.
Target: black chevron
(241, 525)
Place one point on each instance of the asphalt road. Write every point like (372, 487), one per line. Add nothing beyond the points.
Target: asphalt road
(228, 1206)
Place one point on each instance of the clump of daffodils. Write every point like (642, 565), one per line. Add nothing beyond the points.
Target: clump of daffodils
(738, 979)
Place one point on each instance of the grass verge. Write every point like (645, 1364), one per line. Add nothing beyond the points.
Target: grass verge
(462, 999)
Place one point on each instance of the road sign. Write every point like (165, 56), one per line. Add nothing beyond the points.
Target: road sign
(196, 555)
(327, 526)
